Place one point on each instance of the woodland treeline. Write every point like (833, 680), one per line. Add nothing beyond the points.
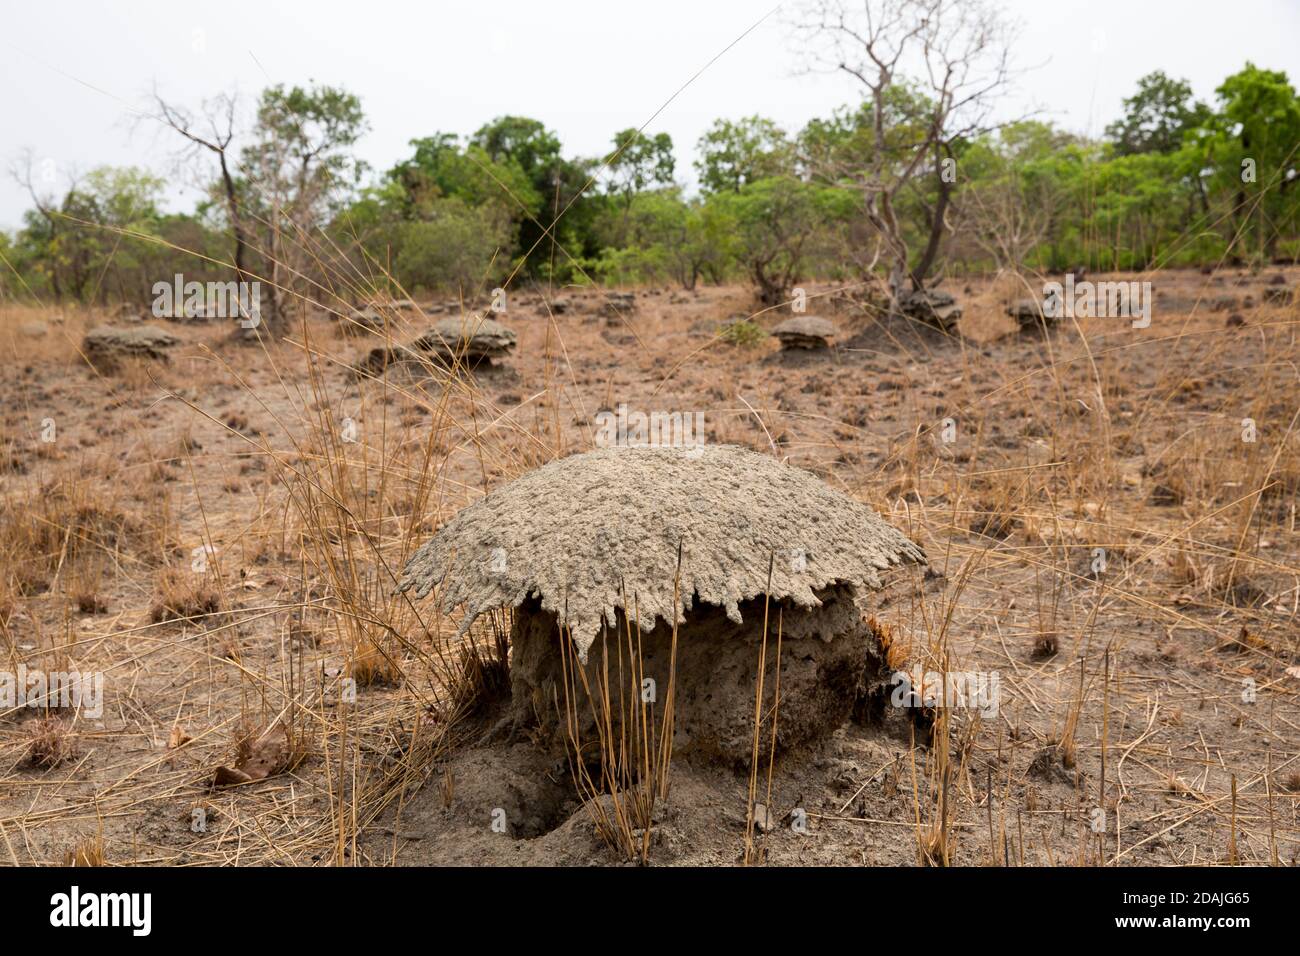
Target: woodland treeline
(1173, 182)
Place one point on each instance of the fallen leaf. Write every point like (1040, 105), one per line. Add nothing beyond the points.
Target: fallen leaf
(257, 759)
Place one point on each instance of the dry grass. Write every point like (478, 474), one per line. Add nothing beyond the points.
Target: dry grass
(51, 743)
(1096, 439)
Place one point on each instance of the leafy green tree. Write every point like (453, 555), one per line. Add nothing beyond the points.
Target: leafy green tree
(441, 168)
(777, 224)
(1019, 184)
(1157, 116)
(670, 237)
(447, 218)
(562, 185)
(735, 153)
(638, 163)
(99, 240)
(534, 148)
(1254, 145)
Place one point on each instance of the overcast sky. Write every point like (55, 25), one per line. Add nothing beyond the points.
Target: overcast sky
(74, 75)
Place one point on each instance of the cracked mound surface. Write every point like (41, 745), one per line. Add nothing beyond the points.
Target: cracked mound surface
(804, 327)
(581, 532)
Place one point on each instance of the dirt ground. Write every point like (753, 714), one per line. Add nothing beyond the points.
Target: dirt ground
(1109, 514)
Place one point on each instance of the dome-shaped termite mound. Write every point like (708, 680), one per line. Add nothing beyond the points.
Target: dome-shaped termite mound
(586, 549)
(804, 332)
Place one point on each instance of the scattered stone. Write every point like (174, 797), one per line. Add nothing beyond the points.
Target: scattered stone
(1276, 296)
(1224, 303)
(1235, 320)
(560, 306)
(586, 547)
(1277, 279)
(804, 332)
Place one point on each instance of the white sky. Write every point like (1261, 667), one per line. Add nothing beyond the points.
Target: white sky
(71, 72)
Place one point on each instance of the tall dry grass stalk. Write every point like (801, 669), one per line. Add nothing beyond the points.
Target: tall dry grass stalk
(625, 772)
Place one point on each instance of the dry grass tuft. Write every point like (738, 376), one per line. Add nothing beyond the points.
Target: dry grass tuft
(183, 596)
(51, 743)
(88, 852)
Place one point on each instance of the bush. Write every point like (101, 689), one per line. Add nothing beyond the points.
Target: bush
(456, 248)
(743, 333)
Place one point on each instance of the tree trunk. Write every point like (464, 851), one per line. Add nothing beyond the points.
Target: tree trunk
(936, 228)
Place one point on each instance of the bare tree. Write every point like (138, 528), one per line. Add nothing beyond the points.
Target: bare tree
(214, 134)
(954, 52)
(46, 206)
(1004, 221)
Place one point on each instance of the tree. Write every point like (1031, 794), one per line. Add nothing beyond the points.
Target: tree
(960, 50)
(94, 238)
(441, 168)
(1255, 140)
(670, 237)
(214, 135)
(638, 163)
(561, 183)
(453, 247)
(43, 224)
(298, 172)
(733, 154)
(1157, 116)
(1013, 196)
(526, 141)
(774, 223)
